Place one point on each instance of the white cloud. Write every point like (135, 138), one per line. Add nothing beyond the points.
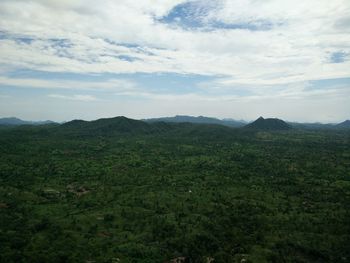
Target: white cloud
(297, 47)
(219, 92)
(108, 85)
(85, 98)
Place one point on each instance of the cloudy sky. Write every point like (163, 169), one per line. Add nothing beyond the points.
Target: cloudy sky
(86, 59)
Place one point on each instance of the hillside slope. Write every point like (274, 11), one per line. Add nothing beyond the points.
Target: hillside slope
(269, 124)
(199, 119)
(344, 125)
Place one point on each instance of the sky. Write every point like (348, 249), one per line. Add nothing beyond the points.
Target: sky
(241, 59)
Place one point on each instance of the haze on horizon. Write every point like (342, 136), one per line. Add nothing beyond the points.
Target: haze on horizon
(79, 59)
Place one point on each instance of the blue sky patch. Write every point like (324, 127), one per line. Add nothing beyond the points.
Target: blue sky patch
(189, 15)
(193, 15)
(127, 58)
(18, 39)
(339, 57)
(328, 83)
(60, 43)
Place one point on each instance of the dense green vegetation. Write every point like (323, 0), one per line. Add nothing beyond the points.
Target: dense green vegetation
(118, 190)
(270, 124)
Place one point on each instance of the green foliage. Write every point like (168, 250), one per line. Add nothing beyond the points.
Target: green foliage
(121, 191)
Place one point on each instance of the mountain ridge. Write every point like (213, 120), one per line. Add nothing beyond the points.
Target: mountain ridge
(13, 121)
(344, 124)
(199, 119)
(103, 126)
(232, 123)
(268, 124)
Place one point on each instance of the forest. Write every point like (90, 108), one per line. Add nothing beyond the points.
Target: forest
(121, 190)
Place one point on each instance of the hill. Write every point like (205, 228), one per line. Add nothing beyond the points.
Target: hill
(109, 126)
(345, 124)
(312, 126)
(12, 121)
(269, 124)
(199, 119)
(122, 126)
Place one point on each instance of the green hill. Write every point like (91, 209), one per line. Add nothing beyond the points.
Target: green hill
(344, 125)
(269, 124)
(110, 126)
(198, 120)
(12, 121)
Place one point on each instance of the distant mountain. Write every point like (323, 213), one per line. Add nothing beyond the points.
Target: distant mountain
(312, 126)
(269, 124)
(12, 121)
(321, 126)
(345, 124)
(199, 119)
(120, 125)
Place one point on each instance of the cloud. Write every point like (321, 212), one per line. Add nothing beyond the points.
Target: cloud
(85, 98)
(78, 36)
(108, 85)
(216, 92)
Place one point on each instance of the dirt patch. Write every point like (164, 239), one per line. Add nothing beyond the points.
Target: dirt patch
(77, 190)
(4, 205)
